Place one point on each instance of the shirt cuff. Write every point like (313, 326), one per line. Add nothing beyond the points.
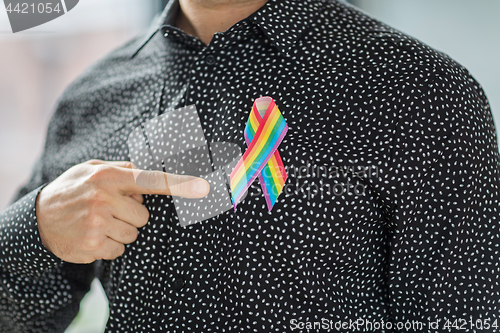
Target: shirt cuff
(21, 249)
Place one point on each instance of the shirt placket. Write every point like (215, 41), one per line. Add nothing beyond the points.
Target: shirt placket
(188, 251)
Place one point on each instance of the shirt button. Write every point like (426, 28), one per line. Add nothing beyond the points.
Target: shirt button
(210, 60)
(179, 283)
(164, 30)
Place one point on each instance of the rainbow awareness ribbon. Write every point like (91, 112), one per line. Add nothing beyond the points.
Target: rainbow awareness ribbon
(264, 131)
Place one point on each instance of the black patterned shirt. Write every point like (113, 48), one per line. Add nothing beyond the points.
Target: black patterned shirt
(389, 216)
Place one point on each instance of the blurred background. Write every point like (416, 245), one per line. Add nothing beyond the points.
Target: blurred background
(36, 66)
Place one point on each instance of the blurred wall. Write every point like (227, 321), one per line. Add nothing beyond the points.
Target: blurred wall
(466, 30)
(37, 64)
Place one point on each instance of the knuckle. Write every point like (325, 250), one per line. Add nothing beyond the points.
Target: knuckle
(95, 223)
(174, 180)
(176, 184)
(97, 199)
(130, 234)
(129, 165)
(100, 173)
(93, 162)
(93, 244)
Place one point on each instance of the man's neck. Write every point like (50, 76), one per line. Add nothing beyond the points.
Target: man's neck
(203, 18)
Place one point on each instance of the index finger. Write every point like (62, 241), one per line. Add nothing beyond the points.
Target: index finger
(122, 164)
(158, 182)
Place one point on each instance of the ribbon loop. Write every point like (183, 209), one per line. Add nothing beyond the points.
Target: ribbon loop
(264, 132)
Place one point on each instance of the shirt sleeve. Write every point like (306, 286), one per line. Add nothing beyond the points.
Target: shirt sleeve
(444, 181)
(21, 249)
(38, 291)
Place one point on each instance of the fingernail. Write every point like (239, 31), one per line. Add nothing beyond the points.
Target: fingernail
(200, 187)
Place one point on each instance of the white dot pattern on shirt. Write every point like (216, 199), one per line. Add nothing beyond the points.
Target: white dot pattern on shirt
(420, 244)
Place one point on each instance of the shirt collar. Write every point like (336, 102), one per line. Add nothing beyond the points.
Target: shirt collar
(165, 17)
(282, 21)
(285, 21)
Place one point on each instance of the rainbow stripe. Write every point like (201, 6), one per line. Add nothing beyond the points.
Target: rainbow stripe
(264, 131)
